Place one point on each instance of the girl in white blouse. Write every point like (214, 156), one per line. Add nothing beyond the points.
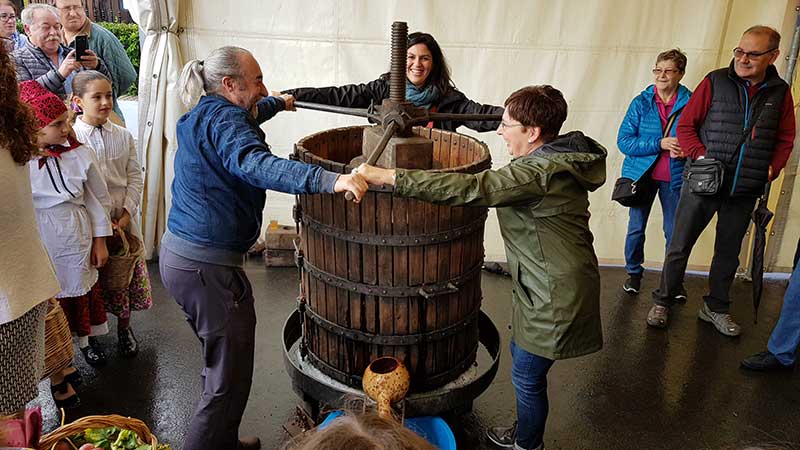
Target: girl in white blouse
(72, 203)
(117, 158)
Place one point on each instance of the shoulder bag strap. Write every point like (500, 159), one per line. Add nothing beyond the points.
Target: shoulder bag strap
(670, 121)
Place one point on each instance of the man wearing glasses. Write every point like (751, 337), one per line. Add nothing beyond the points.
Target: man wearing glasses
(46, 60)
(102, 42)
(743, 116)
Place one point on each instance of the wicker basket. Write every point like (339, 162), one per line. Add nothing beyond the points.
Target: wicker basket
(58, 350)
(65, 431)
(118, 271)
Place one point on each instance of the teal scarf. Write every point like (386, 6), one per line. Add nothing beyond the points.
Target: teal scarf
(424, 98)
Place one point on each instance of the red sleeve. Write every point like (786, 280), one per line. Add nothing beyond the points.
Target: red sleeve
(692, 117)
(786, 130)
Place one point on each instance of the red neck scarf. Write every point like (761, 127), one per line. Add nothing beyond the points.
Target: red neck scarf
(56, 150)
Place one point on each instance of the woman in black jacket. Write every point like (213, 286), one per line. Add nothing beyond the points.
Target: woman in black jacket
(428, 85)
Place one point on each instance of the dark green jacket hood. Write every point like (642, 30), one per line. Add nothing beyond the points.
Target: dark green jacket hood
(579, 155)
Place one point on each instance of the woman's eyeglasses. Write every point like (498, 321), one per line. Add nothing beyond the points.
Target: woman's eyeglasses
(665, 71)
(7, 17)
(504, 125)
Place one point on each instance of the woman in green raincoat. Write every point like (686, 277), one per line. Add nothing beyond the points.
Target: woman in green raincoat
(542, 205)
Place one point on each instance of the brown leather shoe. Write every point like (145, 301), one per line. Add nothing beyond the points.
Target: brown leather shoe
(249, 443)
(658, 316)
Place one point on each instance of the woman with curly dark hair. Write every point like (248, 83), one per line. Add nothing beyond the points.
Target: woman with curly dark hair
(428, 85)
(17, 128)
(27, 279)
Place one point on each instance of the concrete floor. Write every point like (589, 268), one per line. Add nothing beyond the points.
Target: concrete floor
(647, 389)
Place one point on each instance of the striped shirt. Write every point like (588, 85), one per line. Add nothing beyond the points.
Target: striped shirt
(118, 161)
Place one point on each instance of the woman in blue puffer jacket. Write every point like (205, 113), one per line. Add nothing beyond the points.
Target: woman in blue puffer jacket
(653, 158)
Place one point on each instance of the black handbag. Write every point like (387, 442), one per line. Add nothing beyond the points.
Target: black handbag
(628, 192)
(704, 176)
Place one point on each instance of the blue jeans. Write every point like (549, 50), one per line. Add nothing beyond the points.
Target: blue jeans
(529, 376)
(637, 224)
(785, 338)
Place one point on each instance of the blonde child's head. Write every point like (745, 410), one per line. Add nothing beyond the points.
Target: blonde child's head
(50, 112)
(361, 432)
(91, 92)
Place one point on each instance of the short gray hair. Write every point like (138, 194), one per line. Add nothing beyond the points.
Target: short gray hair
(198, 77)
(774, 38)
(27, 13)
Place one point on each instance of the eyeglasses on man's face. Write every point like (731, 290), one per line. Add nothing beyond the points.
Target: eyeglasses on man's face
(71, 9)
(667, 72)
(739, 53)
(7, 17)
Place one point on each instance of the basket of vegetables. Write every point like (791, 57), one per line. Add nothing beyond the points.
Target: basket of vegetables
(110, 432)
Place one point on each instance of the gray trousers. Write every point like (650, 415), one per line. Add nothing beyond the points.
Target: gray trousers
(218, 303)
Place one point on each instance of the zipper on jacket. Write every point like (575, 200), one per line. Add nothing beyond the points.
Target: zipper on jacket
(741, 149)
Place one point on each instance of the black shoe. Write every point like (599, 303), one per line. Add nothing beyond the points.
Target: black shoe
(503, 436)
(632, 284)
(682, 295)
(126, 343)
(70, 402)
(249, 443)
(764, 361)
(93, 354)
(75, 378)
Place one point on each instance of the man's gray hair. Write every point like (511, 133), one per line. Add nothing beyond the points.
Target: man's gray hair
(27, 13)
(199, 77)
(774, 38)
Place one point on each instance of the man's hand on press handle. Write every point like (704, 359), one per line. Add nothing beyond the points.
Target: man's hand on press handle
(354, 184)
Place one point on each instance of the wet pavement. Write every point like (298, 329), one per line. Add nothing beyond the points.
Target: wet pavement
(680, 388)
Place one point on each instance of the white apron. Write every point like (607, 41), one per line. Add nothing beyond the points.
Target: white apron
(66, 231)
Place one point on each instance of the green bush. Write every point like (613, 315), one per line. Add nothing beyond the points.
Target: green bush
(128, 34)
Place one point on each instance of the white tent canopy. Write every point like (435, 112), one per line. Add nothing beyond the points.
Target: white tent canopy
(598, 52)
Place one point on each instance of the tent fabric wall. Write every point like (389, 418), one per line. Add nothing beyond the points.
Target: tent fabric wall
(599, 53)
(159, 110)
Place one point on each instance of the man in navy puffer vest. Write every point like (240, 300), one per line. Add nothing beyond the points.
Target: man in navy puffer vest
(742, 115)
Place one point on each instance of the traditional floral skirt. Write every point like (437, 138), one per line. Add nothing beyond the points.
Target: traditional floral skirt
(137, 297)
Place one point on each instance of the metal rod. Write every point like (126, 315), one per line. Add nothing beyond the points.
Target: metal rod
(334, 109)
(448, 116)
(789, 78)
(397, 71)
(790, 67)
(377, 152)
(792, 63)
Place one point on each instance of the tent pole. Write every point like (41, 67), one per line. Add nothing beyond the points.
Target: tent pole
(778, 225)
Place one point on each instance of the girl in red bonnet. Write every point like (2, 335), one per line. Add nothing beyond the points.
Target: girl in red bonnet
(72, 211)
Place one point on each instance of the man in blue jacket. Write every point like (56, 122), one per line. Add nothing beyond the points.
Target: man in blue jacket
(222, 168)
